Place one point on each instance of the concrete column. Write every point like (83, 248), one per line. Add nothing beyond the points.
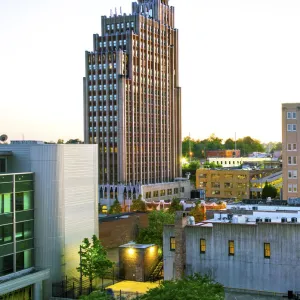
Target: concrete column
(37, 291)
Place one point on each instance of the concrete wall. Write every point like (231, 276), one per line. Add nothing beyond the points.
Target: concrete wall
(66, 199)
(169, 256)
(247, 269)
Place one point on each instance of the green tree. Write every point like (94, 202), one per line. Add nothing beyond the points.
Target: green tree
(115, 208)
(60, 141)
(175, 206)
(74, 141)
(93, 259)
(191, 287)
(229, 144)
(153, 234)
(138, 204)
(197, 213)
(269, 191)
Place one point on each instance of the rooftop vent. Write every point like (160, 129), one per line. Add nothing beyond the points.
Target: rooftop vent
(283, 220)
(294, 220)
(268, 220)
(258, 220)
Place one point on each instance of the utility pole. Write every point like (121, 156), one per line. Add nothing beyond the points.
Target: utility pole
(80, 271)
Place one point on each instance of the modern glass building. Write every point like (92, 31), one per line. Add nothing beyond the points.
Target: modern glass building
(16, 223)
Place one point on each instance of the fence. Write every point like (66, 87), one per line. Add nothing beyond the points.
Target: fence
(73, 288)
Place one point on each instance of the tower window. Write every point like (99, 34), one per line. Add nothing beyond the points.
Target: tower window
(267, 250)
(172, 243)
(231, 248)
(202, 245)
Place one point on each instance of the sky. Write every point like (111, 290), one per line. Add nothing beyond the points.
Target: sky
(238, 61)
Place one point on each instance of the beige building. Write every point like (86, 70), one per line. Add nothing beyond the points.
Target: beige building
(240, 184)
(290, 153)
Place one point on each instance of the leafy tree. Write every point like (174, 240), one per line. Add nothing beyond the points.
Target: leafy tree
(138, 204)
(269, 191)
(175, 206)
(115, 208)
(74, 141)
(229, 144)
(60, 141)
(94, 261)
(197, 213)
(153, 234)
(191, 287)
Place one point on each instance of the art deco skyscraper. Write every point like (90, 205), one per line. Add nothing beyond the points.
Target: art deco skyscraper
(132, 101)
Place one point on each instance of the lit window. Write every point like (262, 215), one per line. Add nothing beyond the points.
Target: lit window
(231, 248)
(172, 243)
(291, 115)
(267, 250)
(108, 27)
(202, 245)
(291, 127)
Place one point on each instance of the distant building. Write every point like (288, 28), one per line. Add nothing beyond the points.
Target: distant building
(241, 184)
(290, 150)
(26, 142)
(48, 198)
(255, 253)
(223, 153)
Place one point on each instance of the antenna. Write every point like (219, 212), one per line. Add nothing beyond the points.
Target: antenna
(116, 13)
(111, 13)
(121, 10)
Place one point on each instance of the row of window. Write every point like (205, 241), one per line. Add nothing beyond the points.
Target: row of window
(104, 119)
(105, 129)
(227, 176)
(164, 193)
(112, 43)
(231, 250)
(102, 76)
(102, 66)
(119, 26)
(100, 87)
(104, 108)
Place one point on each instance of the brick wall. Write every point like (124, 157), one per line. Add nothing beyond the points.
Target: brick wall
(116, 232)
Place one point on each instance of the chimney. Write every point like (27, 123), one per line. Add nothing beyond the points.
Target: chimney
(181, 220)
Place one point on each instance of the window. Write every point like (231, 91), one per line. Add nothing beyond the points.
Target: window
(291, 127)
(202, 245)
(292, 174)
(6, 234)
(176, 191)
(267, 250)
(148, 195)
(163, 192)
(290, 188)
(172, 243)
(231, 248)
(215, 192)
(228, 185)
(182, 189)
(292, 147)
(291, 115)
(292, 160)
(202, 175)
(215, 184)
(5, 203)
(169, 191)
(155, 194)
(294, 188)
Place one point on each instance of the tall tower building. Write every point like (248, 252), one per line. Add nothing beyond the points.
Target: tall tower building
(132, 98)
(290, 150)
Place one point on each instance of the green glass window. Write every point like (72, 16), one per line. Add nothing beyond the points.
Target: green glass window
(24, 260)
(6, 187)
(24, 186)
(6, 234)
(24, 201)
(6, 203)
(24, 215)
(24, 230)
(6, 178)
(6, 265)
(6, 219)
(24, 177)
(24, 245)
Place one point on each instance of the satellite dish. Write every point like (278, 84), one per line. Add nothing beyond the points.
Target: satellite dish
(3, 138)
